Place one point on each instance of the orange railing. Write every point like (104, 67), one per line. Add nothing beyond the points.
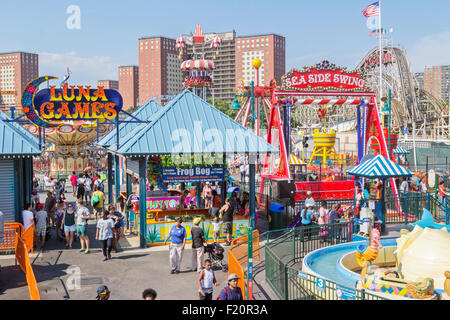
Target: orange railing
(24, 262)
(28, 237)
(239, 246)
(238, 256)
(9, 235)
(235, 267)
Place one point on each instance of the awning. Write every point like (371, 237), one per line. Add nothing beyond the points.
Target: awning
(295, 161)
(51, 148)
(400, 150)
(379, 167)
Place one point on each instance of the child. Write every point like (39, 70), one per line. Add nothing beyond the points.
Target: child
(216, 224)
(191, 205)
(206, 281)
(59, 216)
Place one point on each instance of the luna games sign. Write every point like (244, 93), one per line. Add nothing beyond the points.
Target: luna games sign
(50, 107)
(323, 76)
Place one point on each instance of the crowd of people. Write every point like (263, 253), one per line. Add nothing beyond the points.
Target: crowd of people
(70, 220)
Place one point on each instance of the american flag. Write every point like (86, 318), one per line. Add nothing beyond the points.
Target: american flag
(372, 10)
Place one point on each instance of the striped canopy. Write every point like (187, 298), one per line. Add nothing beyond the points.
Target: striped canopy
(379, 167)
(200, 64)
(400, 150)
(295, 160)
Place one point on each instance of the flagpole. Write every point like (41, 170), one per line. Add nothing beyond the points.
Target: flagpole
(380, 32)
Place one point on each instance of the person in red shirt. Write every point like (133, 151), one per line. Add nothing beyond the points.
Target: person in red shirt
(73, 181)
(442, 192)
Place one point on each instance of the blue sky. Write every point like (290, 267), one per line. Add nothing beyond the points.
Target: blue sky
(314, 30)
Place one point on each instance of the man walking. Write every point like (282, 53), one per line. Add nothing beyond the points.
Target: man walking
(50, 208)
(97, 202)
(41, 225)
(27, 216)
(227, 217)
(82, 216)
(198, 250)
(178, 235)
(232, 291)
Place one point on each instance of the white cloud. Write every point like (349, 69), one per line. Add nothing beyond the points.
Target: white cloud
(84, 70)
(431, 50)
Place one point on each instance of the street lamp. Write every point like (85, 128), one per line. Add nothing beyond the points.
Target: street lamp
(235, 105)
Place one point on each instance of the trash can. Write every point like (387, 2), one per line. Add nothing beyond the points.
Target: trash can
(276, 213)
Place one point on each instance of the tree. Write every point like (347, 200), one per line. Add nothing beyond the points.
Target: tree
(223, 106)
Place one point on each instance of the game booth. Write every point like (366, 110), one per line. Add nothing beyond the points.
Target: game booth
(196, 161)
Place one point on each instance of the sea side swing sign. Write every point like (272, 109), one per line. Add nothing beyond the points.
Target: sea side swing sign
(322, 76)
(52, 107)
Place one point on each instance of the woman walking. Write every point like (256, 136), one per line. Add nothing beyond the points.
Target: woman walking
(105, 234)
(117, 217)
(68, 223)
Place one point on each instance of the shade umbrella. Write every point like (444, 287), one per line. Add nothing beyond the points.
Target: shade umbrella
(380, 167)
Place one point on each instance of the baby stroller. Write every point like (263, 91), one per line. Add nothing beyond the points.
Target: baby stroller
(215, 254)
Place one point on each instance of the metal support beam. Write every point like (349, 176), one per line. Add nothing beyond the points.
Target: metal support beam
(116, 178)
(110, 160)
(142, 202)
(250, 230)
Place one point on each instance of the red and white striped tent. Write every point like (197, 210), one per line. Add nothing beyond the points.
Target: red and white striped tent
(181, 42)
(199, 64)
(217, 41)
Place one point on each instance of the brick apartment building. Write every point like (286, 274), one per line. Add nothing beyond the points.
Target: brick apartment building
(129, 86)
(159, 68)
(16, 70)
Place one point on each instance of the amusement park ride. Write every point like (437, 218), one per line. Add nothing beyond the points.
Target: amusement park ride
(198, 70)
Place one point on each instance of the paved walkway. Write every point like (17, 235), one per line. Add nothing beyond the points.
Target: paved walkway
(127, 274)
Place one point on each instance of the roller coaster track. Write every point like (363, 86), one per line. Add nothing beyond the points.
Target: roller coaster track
(410, 105)
(409, 102)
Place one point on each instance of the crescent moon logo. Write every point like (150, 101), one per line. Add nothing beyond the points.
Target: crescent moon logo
(27, 102)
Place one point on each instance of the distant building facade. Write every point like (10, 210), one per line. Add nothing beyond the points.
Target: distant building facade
(16, 70)
(128, 86)
(108, 84)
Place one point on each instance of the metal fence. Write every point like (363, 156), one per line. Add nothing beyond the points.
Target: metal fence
(290, 249)
(303, 286)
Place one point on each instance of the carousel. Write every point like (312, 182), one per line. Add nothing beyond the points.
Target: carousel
(70, 147)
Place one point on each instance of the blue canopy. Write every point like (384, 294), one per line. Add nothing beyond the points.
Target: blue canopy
(190, 125)
(379, 167)
(400, 150)
(15, 140)
(144, 113)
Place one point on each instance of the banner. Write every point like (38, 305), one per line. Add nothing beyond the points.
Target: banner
(194, 174)
(156, 203)
(158, 232)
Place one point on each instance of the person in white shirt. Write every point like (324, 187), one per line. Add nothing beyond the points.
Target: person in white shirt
(216, 224)
(404, 187)
(41, 225)
(87, 189)
(27, 216)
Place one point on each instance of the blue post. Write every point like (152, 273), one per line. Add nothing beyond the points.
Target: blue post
(142, 202)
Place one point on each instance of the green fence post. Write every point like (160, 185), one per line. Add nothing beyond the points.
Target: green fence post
(406, 209)
(286, 289)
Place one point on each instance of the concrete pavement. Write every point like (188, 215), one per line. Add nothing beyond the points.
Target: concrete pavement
(127, 274)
